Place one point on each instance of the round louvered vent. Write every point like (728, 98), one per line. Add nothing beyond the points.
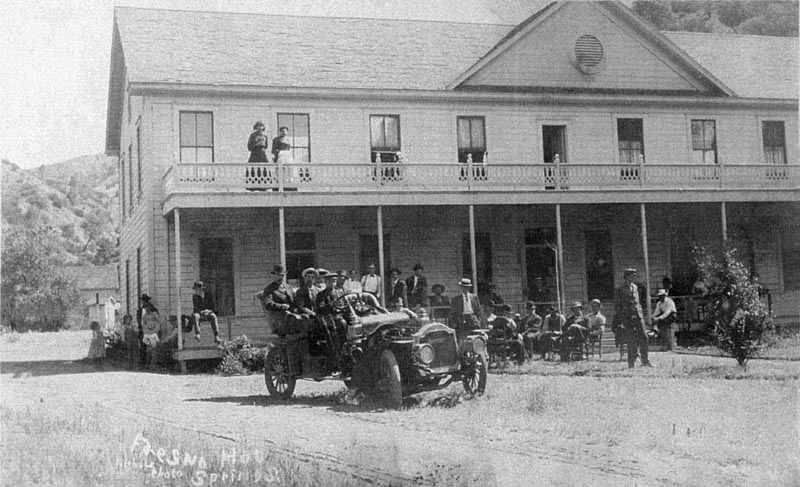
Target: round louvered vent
(588, 54)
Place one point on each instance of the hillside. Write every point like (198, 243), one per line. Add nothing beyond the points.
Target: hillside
(77, 198)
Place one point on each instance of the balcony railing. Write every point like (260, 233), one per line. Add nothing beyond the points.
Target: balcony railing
(243, 177)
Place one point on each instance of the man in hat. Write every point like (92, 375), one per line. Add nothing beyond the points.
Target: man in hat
(504, 329)
(576, 330)
(306, 298)
(398, 292)
(552, 327)
(465, 309)
(417, 287)
(531, 326)
(204, 309)
(664, 316)
(629, 318)
(326, 298)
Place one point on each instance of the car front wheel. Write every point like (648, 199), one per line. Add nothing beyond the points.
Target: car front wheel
(388, 387)
(276, 374)
(474, 370)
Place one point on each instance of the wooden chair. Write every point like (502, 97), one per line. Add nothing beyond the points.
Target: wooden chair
(591, 340)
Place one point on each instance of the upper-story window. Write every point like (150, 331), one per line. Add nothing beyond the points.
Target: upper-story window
(139, 158)
(774, 142)
(704, 141)
(471, 138)
(299, 134)
(384, 137)
(197, 137)
(630, 140)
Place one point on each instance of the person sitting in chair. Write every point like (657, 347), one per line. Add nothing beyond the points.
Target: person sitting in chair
(575, 333)
(664, 316)
(504, 330)
(552, 326)
(596, 323)
(204, 308)
(531, 326)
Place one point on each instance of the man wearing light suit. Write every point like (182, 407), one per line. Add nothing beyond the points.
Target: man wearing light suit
(465, 310)
(629, 316)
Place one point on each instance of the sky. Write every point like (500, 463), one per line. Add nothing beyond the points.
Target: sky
(55, 56)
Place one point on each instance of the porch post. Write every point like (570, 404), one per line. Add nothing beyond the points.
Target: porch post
(559, 260)
(646, 263)
(380, 257)
(282, 239)
(472, 249)
(177, 224)
(724, 214)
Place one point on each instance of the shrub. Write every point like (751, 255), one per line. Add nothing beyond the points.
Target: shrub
(736, 314)
(240, 357)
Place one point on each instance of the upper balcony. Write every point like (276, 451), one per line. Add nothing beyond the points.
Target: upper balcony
(226, 185)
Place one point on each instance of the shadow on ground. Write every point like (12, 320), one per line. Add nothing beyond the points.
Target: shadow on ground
(341, 402)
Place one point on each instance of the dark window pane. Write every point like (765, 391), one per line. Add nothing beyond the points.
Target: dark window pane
(477, 133)
(188, 129)
(205, 136)
(697, 134)
(393, 133)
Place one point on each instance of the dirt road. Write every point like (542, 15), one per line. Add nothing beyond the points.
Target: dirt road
(484, 441)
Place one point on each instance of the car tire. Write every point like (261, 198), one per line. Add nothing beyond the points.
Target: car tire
(276, 374)
(474, 370)
(388, 387)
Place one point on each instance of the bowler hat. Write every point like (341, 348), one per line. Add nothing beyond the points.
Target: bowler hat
(198, 285)
(278, 270)
(465, 282)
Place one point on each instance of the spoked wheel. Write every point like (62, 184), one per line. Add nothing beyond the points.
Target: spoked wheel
(276, 374)
(474, 370)
(388, 387)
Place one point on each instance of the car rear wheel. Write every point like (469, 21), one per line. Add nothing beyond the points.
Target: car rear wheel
(276, 374)
(388, 387)
(474, 370)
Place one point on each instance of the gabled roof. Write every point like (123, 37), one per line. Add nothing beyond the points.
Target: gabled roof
(752, 66)
(272, 50)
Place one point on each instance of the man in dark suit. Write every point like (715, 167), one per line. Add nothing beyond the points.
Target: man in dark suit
(465, 309)
(417, 288)
(398, 292)
(629, 317)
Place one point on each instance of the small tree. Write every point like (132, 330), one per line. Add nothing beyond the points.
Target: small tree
(735, 312)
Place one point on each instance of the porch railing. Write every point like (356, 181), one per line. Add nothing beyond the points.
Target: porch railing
(241, 177)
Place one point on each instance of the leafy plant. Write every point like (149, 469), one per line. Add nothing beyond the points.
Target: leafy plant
(736, 314)
(239, 357)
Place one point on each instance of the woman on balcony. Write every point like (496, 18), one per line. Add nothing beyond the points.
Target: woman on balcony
(257, 144)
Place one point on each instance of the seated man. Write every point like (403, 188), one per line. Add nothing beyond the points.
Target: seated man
(552, 326)
(531, 326)
(575, 332)
(504, 332)
(204, 309)
(663, 317)
(597, 324)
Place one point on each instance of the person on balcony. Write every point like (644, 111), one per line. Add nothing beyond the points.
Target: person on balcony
(371, 282)
(417, 287)
(204, 309)
(281, 148)
(663, 317)
(257, 144)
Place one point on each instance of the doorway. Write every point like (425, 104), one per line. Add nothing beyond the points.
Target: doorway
(216, 272)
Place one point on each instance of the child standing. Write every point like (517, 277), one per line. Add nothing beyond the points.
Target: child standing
(97, 348)
(131, 341)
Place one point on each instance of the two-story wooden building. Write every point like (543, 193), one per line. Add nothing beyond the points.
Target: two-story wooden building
(582, 129)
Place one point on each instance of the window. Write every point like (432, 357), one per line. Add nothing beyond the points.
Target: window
(122, 185)
(301, 253)
(368, 252)
(130, 178)
(299, 134)
(138, 272)
(774, 142)
(554, 143)
(139, 158)
(471, 138)
(128, 285)
(540, 261)
(216, 272)
(384, 137)
(704, 142)
(197, 137)
(630, 140)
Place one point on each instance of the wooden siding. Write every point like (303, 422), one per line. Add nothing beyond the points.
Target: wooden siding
(542, 57)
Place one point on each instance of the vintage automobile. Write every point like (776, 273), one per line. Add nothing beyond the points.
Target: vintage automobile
(389, 355)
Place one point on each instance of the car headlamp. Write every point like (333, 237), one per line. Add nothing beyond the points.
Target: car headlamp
(426, 354)
(478, 345)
